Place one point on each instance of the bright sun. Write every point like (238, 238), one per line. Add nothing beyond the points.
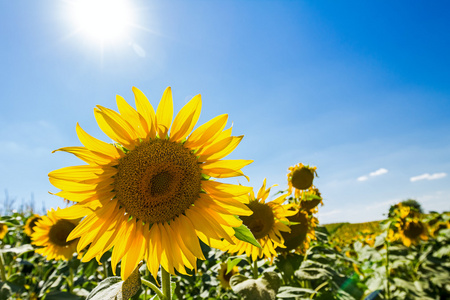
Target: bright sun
(102, 19)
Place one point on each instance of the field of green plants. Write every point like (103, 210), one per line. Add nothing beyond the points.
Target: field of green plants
(376, 260)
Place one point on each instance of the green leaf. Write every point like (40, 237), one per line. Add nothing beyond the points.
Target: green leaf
(231, 263)
(113, 288)
(244, 234)
(263, 288)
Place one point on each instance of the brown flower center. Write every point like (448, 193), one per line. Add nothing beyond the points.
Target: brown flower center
(261, 221)
(60, 231)
(157, 181)
(413, 230)
(302, 179)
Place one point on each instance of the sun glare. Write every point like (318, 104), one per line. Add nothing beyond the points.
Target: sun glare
(102, 19)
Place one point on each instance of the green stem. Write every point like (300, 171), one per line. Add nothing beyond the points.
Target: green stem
(255, 269)
(153, 287)
(388, 288)
(2, 268)
(165, 282)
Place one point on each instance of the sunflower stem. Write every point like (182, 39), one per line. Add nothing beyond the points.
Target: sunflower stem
(388, 288)
(165, 279)
(154, 288)
(255, 269)
(2, 268)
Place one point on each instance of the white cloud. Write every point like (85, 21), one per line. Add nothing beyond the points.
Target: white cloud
(363, 178)
(378, 172)
(428, 176)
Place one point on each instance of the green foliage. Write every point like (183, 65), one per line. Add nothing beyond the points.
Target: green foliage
(353, 269)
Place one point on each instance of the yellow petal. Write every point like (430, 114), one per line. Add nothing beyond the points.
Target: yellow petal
(137, 121)
(206, 132)
(186, 119)
(220, 149)
(225, 168)
(145, 109)
(97, 145)
(91, 157)
(116, 128)
(164, 113)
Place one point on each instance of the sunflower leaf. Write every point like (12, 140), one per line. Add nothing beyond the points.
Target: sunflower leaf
(115, 288)
(244, 234)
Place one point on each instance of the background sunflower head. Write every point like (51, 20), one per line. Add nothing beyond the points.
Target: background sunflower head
(50, 234)
(3, 230)
(300, 178)
(302, 226)
(267, 222)
(413, 231)
(28, 228)
(225, 277)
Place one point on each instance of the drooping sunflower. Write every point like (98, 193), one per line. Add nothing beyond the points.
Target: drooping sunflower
(148, 196)
(225, 277)
(302, 225)
(3, 230)
(51, 234)
(28, 228)
(412, 232)
(266, 225)
(310, 200)
(300, 178)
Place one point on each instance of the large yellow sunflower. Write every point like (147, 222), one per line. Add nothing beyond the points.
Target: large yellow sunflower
(148, 196)
(28, 228)
(300, 178)
(3, 230)
(266, 225)
(51, 234)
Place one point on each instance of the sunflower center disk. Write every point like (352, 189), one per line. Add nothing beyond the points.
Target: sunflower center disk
(302, 179)
(60, 231)
(413, 230)
(261, 221)
(157, 181)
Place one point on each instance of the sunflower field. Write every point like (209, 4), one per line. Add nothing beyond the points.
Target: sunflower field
(148, 217)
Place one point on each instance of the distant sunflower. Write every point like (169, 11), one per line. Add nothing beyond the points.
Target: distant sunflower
(302, 226)
(149, 196)
(28, 228)
(300, 178)
(51, 234)
(310, 200)
(3, 230)
(266, 225)
(225, 277)
(412, 232)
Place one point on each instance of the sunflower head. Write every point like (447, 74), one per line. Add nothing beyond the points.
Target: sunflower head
(3, 230)
(266, 224)
(28, 228)
(310, 200)
(51, 233)
(300, 178)
(413, 231)
(302, 226)
(225, 277)
(148, 196)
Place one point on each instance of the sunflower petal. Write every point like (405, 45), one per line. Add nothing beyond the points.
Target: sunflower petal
(186, 119)
(164, 113)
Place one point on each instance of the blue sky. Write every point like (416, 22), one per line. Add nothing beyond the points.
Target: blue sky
(359, 89)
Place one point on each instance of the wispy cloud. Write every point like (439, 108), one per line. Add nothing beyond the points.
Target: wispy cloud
(428, 176)
(378, 172)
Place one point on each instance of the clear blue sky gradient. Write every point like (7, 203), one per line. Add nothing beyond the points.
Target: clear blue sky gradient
(349, 87)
